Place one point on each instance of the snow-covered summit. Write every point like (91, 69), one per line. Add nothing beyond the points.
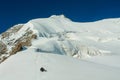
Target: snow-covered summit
(59, 35)
(57, 16)
(53, 42)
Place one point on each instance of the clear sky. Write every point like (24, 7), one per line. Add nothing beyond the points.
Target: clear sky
(20, 11)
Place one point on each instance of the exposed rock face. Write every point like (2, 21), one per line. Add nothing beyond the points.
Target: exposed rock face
(10, 46)
(23, 41)
(11, 31)
(3, 48)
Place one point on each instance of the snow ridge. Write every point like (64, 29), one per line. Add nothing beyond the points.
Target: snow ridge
(52, 43)
(60, 35)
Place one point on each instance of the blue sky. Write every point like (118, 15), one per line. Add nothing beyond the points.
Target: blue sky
(13, 12)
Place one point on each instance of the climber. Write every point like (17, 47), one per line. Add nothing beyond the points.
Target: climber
(43, 69)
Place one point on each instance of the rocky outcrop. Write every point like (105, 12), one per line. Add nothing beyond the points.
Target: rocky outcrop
(11, 31)
(23, 41)
(3, 48)
(10, 46)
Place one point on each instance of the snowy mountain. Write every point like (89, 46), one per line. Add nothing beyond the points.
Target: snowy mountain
(67, 50)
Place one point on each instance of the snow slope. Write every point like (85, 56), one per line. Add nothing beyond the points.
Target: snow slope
(95, 46)
(26, 65)
(78, 39)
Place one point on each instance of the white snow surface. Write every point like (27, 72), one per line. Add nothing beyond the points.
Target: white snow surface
(26, 65)
(95, 46)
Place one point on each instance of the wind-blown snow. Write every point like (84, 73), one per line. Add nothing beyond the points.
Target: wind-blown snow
(95, 45)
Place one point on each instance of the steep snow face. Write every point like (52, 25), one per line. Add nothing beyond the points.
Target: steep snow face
(60, 35)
